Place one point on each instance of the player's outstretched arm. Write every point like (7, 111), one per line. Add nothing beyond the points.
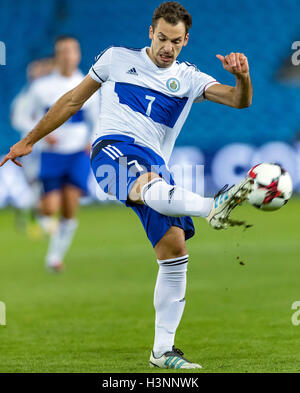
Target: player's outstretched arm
(239, 96)
(60, 112)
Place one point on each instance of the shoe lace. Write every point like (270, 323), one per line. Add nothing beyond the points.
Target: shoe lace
(175, 351)
(178, 351)
(223, 189)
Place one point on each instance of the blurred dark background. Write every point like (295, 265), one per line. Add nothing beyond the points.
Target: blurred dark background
(263, 30)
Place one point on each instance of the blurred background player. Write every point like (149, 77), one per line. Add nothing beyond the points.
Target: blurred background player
(64, 155)
(22, 120)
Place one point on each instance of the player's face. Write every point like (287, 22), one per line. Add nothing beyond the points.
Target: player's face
(67, 54)
(167, 42)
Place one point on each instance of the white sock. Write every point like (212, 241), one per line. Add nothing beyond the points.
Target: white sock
(174, 201)
(49, 224)
(169, 302)
(60, 241)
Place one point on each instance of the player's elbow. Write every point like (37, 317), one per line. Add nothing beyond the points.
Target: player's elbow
(243, 104)
(241, 99)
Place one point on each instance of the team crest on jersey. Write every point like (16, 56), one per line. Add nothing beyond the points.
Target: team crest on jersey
(173, 84)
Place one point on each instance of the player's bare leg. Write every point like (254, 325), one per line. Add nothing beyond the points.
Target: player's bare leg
(50, 203)
(135, 192)
(70, 201)
(172, 245)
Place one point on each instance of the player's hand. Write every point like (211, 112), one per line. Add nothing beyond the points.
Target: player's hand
(235, 63)
(51, 140)
(20, 149)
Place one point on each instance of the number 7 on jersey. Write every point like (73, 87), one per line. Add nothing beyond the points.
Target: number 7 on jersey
(151, 99)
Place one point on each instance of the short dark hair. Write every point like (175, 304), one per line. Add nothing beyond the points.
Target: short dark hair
(172, 12)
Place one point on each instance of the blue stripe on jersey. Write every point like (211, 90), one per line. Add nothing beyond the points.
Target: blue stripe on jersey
(77, 118)
(160, 107)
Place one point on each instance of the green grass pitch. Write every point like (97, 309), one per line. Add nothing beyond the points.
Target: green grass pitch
(98, 315)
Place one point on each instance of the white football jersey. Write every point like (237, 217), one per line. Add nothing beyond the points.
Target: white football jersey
(72, 136)
(144, 101)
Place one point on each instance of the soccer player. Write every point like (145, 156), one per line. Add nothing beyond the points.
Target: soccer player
(64, 155)
(146, 96)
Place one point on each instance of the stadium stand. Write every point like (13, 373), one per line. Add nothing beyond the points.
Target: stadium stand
(264, 31)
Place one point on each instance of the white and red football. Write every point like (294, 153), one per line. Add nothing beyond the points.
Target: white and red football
(272, 186)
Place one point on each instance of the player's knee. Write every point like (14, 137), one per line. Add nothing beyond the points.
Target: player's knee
(135, 192)
(172, 244)
(49, 209)
(176, 246)
(50, 203)
(178, 250)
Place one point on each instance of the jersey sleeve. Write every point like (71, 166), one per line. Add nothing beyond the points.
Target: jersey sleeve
(200, 82)
(100, 70)
(23, 110)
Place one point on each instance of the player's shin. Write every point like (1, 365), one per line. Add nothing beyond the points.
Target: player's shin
(169, 302)
(174, 201)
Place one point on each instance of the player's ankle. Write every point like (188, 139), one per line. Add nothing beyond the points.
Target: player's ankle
(161, 351)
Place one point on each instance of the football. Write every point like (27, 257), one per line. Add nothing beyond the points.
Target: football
(272, 186)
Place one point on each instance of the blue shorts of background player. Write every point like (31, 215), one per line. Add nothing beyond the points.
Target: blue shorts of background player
(58, 170)
(117, 162)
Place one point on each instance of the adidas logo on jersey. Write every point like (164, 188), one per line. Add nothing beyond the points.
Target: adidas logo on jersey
(132, 71)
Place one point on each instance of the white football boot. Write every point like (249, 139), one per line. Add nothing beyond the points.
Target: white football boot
(172, 359)
(226, 200)
(57, 267)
